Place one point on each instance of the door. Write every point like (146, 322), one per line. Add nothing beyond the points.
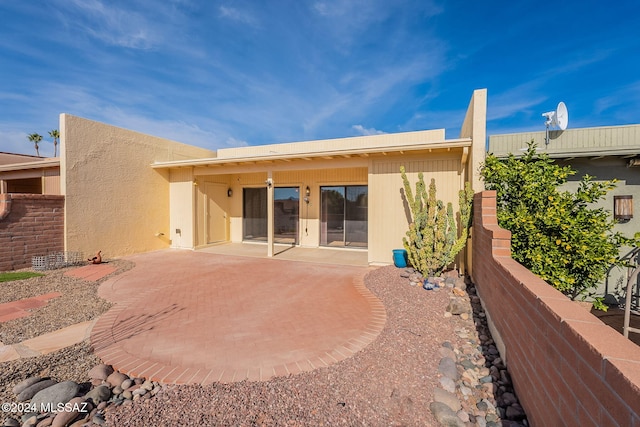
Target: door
(356, 216)
(332, 216)
(254, 214)
(216, 213)
(344, 216)
(286, 214)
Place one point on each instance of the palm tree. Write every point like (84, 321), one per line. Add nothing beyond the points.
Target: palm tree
(55, 135)
(35, 138)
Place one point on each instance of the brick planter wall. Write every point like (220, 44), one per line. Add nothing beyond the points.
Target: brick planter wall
(567, 366)
(30, 225)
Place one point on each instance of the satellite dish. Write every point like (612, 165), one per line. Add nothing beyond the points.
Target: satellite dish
(562, 116)
(558, 119)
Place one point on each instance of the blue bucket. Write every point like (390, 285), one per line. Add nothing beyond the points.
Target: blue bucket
(400, 258)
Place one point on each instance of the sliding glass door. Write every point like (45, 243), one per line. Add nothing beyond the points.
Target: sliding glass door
(356, 216)
(286, 208)
(254, 214)
(343, 216)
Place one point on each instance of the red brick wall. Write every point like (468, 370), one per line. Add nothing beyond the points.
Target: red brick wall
(568, 367)
(30, 225)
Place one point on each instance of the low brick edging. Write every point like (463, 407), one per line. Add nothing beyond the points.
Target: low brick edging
(30, 225)
(567, 366)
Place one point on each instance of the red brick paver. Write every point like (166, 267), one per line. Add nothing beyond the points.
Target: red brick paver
(17, 309)
(191, 317)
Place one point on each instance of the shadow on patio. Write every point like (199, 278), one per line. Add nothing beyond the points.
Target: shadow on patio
(354, 257)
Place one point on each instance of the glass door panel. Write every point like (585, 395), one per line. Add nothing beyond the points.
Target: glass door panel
(286, 207)
(344, 216)
(356, 216)
(332, 216)
(254, 214)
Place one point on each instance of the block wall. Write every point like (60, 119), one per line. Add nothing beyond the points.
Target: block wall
(30, 225)
(567, 366)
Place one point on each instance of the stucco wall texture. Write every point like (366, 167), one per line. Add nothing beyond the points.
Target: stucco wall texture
(115, 202)
(30, 225)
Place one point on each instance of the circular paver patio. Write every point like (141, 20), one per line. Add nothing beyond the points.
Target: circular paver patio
(195, 318)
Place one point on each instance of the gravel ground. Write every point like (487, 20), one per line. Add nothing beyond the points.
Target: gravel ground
(79, 302)
(69, 364)
(389, 383)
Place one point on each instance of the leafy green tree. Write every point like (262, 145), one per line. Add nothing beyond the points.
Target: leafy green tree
(35, 138)
(56, 136)
(432, 241)
(558, 235)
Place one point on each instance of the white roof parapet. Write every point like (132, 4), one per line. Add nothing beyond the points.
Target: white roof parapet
(331, 150)
(336, 144)
(39, 164)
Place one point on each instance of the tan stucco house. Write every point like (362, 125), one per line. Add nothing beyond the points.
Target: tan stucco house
(127, 192)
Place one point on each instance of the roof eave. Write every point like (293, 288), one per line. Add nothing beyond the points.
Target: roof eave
(52, 163)
(441, 145)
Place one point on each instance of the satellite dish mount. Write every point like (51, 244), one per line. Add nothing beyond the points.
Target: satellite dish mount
(558, 118)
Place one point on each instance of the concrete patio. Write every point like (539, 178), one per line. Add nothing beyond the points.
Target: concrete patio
(337, 256)
(200, 317)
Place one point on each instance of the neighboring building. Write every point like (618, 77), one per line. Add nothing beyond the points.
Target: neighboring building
(21, 173)
(126, 192)
(602, 152)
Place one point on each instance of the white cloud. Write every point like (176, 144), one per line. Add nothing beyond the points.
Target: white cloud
(238, 15)
(367, 131)
(110, 24)
(621, 99)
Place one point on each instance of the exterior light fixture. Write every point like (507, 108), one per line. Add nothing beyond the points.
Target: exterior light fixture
(622, 208)
(229, 192)
(307, 193)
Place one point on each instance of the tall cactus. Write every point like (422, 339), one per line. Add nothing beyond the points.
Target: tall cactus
(432, 241)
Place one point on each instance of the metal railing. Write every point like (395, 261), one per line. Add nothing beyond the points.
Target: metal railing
(631, 289)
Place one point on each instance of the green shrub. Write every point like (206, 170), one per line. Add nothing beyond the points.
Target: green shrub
(432, 241)
(558, 235)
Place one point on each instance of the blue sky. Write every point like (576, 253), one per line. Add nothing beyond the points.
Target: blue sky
(227, 73)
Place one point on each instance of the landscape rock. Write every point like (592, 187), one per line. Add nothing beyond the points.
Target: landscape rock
(448, 398)
(478, 380)
(448, 384)
(30, 420)
(126, 384)
(116, 378)
(56, 394)
(447, 367)
(444, 415)
(31, 391)
(21, 386)
(11, 422)
(458, 306)
(99, 394)
(98, 420)
(45, 422)
(72, 410)
(460, 284)
(515, 412)
(100, 372)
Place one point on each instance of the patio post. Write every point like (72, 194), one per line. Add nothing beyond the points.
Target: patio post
(270, 213)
